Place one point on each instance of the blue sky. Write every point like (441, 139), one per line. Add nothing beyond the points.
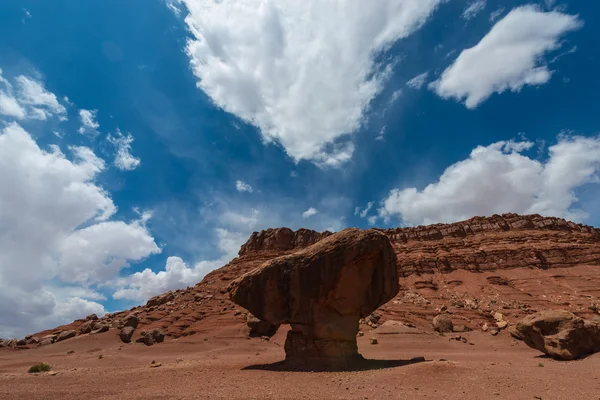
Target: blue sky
(143, 141)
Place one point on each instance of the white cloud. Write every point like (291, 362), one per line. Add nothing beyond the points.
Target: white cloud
(26, 16)
(88, 120)
(499, 178)
(177, 274)
(381, 135)
(303, 72)
(496, 14)
(372, 220)
(41, 103)
(473, 9)
(29, 100)
(395, 96)
(9, 106)
(309, 213)
(172, 4)
(123, 159)
(508, 57)
(242, 186)
(59, 232)
(364, 212)
(418, 81)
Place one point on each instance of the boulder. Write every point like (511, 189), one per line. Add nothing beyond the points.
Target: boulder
(45, 342)
(91, 317)
(560, 334)
(131, 320)
(52, 338)
(66, 335)
(126, 334)
(322, 291)
(155, 335)
(87, 326)
(9, 343)
(99, 329)
(442, 323)
(259, 328)
(33, 340)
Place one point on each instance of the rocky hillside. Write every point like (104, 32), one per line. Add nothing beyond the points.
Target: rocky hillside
(476, 269)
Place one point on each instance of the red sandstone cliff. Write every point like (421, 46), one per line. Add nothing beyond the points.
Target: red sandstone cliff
(510, 263)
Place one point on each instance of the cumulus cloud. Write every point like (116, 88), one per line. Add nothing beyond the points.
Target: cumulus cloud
(509, 57)
(177, 274)
(310, 212)
(303, 72)
(28, 99)
(242, 186)
(500, 178)
(60, 230)
(123, 159)
(418, 81)
(473, 9)
(88, 121)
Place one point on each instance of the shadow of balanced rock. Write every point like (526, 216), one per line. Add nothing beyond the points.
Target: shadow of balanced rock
(322, 292)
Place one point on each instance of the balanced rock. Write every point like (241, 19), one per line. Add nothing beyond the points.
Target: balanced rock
(560, 334)
(322, 291)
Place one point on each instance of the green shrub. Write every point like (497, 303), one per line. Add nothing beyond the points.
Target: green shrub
(41, 367)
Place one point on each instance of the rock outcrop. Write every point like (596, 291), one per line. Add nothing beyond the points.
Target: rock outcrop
(512, 264)
(560, 334)
(281, 239)
(322, 292)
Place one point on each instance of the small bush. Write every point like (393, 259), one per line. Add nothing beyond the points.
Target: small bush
(100, 357)
(41, 367)
(540, 365)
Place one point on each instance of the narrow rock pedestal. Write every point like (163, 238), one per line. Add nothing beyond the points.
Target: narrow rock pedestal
(302, 351)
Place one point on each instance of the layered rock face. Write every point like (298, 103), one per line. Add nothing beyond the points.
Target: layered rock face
(512, 264)
(322, 292)
(281, 239)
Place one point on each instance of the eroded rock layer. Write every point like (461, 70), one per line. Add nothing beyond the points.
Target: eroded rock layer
(509, 264)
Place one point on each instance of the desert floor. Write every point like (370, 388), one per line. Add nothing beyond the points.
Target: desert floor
(226, 365)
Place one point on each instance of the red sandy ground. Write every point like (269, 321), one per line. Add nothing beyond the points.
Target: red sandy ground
(226, 365)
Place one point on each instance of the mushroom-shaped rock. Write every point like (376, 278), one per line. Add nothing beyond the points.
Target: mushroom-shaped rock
(322, 291)
(560, 334)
